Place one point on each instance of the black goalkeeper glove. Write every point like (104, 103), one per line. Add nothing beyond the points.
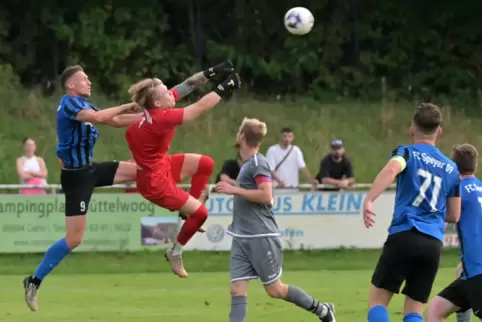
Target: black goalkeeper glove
(228, 86)
(225, 68)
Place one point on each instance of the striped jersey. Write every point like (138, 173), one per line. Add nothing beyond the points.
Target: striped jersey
(75, 139)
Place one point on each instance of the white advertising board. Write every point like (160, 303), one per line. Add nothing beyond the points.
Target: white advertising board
(317, 220)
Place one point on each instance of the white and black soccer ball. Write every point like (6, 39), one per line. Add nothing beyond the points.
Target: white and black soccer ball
(299, 21)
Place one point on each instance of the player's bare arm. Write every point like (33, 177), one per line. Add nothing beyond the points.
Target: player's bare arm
(104, 116)
(383, 180)
(453, 209)
(199, 79)
(262, 195)
(183, 89)
(125, 120)
(208, 101)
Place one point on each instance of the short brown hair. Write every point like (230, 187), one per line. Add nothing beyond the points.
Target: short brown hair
(69, 72)
(465, 157)
(254, 131)
(427, 118)
(142, 93)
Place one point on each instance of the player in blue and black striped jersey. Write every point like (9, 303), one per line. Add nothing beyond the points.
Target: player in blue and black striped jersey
(428, 194)
(77, 135)
(465, 292)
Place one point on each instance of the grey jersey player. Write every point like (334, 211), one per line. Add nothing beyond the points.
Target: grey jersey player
(256, 250)
(253, 219)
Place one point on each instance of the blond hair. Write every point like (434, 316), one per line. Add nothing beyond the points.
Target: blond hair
(465, 157)
(253, 130)
(143, 92)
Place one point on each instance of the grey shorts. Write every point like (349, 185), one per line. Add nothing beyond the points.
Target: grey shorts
(253, 258)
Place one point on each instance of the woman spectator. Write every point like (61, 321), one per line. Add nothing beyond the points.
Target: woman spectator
(31, 169)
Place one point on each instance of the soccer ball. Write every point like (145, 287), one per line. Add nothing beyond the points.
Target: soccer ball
(299, 21)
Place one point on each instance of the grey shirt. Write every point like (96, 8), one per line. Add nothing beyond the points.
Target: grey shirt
(252, 220)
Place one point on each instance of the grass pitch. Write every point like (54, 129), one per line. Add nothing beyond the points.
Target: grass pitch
(112, 287)
(202, 297)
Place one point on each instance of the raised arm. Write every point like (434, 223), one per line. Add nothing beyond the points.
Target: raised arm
(210, 100)
(199, 79)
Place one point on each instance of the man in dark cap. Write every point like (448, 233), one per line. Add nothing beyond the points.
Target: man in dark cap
(336, 168)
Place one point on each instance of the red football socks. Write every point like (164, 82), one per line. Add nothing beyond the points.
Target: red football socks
(201, 178)
(192, 225)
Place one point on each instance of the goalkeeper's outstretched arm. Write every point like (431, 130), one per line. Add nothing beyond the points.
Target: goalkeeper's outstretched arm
(199, 79)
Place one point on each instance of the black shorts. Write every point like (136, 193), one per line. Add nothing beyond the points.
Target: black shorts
(411, 257)
(466, 294)
(78, 185)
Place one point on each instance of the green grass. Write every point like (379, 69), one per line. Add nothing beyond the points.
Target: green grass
(370, 130)
(138, 287)
(152, 261)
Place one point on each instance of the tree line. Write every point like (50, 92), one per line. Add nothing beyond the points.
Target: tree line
(361, 49)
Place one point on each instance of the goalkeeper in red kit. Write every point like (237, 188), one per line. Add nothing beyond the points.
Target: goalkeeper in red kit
(149, 139)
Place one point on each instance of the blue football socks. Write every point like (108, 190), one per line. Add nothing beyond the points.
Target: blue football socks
(413, 317)
(378, 313)
(52, 258)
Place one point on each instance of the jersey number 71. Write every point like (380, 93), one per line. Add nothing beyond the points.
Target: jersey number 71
(427, 183)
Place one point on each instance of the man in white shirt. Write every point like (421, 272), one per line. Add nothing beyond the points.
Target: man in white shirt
(286, 161)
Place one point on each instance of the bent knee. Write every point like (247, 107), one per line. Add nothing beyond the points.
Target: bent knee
(75, 228)
(433, 315)
(277, 290)
(206, 164)
(73, 241)
(435, 311)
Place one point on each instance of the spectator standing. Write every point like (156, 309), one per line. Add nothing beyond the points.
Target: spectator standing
(336, 168)
(286, 160)
(230, 170)
(31, 169)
